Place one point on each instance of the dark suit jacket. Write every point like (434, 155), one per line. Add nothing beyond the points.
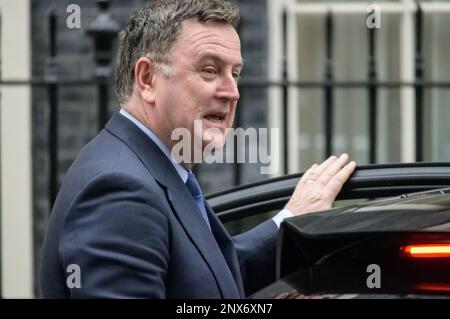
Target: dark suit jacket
(125, 217)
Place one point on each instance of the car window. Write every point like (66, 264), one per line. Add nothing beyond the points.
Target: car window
(241, 225)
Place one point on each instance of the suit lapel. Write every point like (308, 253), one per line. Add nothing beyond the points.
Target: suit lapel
(183, 206)
(226, 245)
(187, 213)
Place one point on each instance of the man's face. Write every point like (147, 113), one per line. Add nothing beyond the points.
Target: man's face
(205, 64)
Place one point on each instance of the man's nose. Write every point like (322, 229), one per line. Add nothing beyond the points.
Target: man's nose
(229, 89)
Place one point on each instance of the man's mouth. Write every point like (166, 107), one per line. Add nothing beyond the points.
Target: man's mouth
(216, 117)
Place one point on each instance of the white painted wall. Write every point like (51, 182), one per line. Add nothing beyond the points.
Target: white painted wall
(15, 151)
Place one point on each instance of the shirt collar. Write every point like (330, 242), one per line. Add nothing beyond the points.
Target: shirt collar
(180, 169)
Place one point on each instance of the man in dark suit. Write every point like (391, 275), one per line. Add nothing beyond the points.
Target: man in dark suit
(130, 220)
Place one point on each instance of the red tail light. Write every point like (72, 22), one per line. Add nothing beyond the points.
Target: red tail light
(433, 287)
(427, 251)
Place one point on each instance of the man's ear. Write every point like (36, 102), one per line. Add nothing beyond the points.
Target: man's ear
(144, 79)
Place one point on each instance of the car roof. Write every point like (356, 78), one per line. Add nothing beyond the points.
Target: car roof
(371, 181)
(426, 211)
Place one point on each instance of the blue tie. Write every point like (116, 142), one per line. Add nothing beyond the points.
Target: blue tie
(194, 188)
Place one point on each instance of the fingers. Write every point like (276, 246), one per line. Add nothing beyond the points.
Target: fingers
(332, 169)
(335, 184)
(319, 186)
(316, 170)
(307, 174)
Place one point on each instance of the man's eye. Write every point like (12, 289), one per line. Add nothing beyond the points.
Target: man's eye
(237, 75)
(210, 71)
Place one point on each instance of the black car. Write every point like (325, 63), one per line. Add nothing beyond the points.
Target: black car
(387, 237)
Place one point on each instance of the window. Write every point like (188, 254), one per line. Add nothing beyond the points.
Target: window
(394, 51)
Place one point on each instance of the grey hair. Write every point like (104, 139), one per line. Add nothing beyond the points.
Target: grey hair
(152, 31)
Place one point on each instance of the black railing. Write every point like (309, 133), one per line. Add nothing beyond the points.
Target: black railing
(103, 30)
(285, 99)
(419, 86)
(52, 91)
(372, 119)
(328, 114)
(372, 85)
